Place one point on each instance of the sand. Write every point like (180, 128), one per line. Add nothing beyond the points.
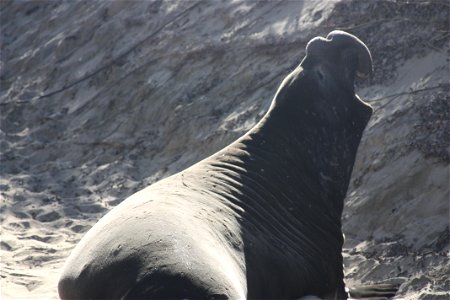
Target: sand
(99, 99)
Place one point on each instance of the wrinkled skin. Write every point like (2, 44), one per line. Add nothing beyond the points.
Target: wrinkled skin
(259, 219)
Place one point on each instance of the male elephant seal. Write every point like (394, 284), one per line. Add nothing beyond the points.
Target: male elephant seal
(259, 219)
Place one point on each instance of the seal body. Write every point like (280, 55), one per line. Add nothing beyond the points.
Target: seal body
(260, 219)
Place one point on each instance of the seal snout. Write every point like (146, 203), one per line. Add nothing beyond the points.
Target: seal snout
(349, 42)
(342, 49)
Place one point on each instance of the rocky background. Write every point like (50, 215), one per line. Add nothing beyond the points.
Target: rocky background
(99, 99)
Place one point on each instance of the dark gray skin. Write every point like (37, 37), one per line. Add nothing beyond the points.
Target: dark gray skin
(259, 219)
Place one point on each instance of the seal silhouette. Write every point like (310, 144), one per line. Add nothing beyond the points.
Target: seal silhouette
(259, 219)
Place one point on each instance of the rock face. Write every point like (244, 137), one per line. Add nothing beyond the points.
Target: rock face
(100, 99)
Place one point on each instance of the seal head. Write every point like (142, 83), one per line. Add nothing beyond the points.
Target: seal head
(341, 54)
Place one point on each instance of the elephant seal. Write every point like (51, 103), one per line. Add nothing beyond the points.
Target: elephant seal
(260, 219)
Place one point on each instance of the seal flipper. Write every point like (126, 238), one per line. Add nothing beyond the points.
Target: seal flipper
(374, 291)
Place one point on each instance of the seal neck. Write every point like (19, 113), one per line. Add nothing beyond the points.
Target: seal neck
(313, 130)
